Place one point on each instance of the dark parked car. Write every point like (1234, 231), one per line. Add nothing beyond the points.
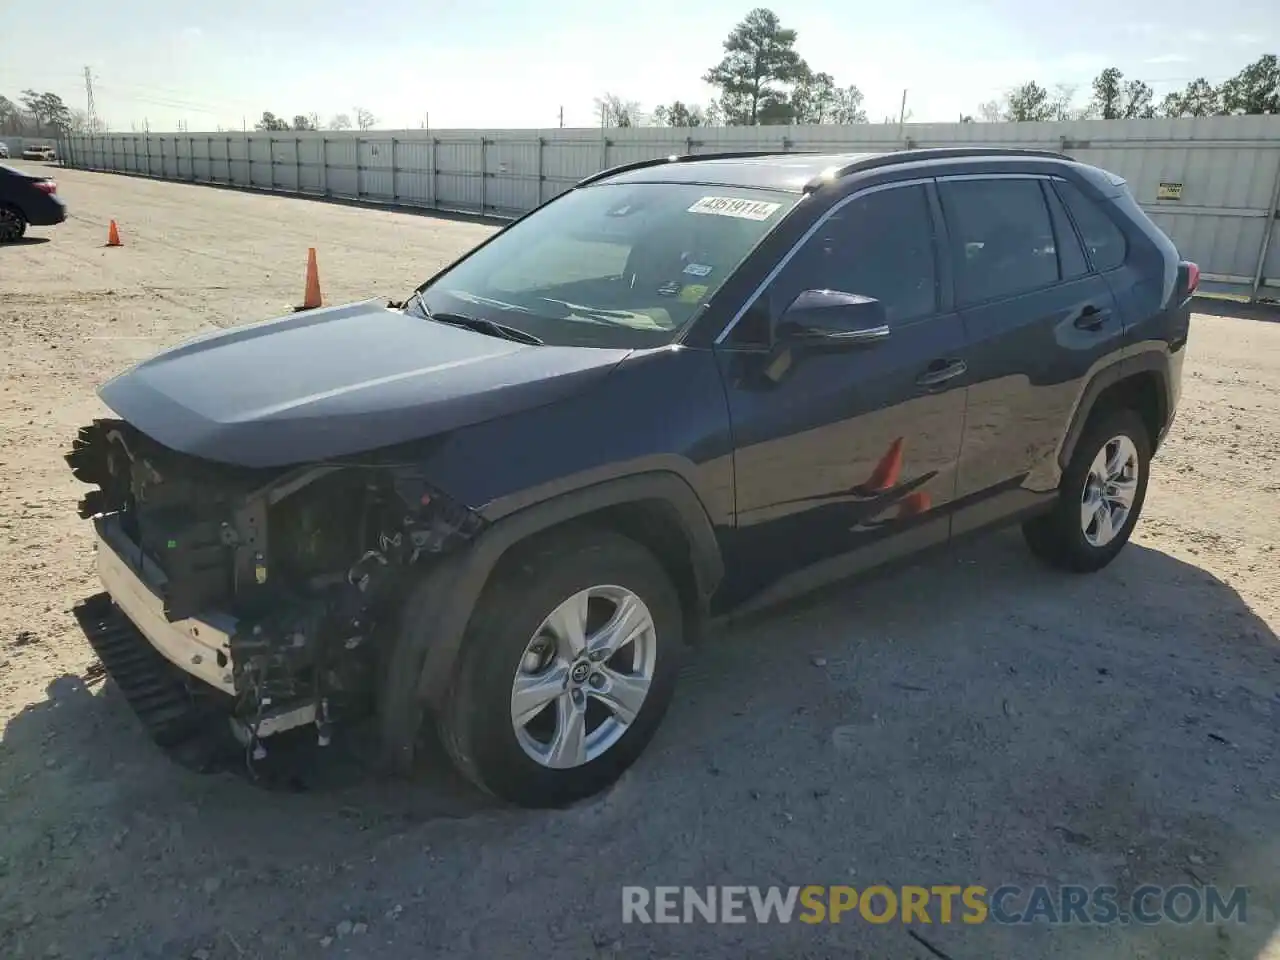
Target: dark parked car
(27, 198)
(684, 387)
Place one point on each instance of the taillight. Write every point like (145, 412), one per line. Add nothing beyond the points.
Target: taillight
(46, 186)
(1188, 278)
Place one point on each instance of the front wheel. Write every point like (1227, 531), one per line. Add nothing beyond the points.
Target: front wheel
(12, 225)
(566, 670)
(1100, 497)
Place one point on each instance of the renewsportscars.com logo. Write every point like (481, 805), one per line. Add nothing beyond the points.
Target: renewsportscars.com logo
(940, 903)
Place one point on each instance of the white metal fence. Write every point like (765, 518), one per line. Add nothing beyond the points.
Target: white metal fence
(1212, 184)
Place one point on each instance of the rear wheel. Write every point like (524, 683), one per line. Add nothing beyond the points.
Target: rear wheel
(12, 224)
(1100, 497)
(566, 671)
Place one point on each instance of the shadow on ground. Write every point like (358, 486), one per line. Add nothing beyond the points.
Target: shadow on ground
(1234, 309)
(970, 719)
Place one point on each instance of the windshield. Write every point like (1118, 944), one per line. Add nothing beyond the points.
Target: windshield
(612, 265)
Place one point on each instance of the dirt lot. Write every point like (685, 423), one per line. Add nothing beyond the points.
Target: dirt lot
(972, 719)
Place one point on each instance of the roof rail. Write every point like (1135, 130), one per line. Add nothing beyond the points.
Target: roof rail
(895, 157)
(686, 158)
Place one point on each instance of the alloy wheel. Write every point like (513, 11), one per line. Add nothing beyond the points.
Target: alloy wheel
(1109, 491)
(584, 677)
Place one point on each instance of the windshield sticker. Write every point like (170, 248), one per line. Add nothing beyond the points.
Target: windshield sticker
(735, 207)
(692, 292)
(698, 269)
(669, 289)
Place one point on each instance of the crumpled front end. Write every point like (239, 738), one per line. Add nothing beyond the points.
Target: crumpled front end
(257, 594)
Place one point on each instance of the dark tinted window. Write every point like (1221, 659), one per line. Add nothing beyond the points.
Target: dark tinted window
(1001, 237)
(1102, 238)
(881, 246)
(1071, 261)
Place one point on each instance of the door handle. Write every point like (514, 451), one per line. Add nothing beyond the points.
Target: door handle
(1092, 318)
(940, 371)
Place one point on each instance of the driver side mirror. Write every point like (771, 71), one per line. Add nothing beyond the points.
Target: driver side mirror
(832, 320)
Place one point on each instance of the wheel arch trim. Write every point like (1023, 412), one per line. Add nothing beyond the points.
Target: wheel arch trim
(442, 602)
(1153, 360)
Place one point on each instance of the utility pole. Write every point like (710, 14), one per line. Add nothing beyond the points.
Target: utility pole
(902, 113)
(562, 118)
(89, 105)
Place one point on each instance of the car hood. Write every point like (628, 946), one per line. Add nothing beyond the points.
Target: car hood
(336, 381)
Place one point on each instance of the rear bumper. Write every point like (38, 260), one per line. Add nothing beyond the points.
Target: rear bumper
(47, 213)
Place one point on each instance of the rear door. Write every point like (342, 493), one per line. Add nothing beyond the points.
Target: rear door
(1037, 321)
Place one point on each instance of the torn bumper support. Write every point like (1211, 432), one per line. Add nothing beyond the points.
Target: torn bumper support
(200, 646)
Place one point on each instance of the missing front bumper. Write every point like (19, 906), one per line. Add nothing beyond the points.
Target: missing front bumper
(199, 646)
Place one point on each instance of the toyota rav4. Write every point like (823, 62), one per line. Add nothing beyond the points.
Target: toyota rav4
(501, 508)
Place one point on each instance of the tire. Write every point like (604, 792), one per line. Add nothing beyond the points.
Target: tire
(12, 224)
(477, 724)
(1060, 537)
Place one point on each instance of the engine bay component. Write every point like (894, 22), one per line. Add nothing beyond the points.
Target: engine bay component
(267, 585)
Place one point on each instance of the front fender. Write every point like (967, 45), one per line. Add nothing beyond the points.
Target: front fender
(438, 610)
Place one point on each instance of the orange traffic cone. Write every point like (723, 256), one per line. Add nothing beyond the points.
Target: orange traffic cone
(914, 504)
(887, 470)
(113, 236)
(311, 296)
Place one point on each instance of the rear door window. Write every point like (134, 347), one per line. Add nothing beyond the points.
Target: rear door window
(1002, 238)
(1102, 238)
(1071, 261)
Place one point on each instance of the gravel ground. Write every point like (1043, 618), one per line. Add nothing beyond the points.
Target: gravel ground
(971, 719)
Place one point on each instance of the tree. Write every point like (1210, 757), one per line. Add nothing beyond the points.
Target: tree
(713, 114)
(1108, 93)
(760, 58)
(35, 106)
(55, 112)
(990, 112)
(616, 112)
(365, 119)
(270, 121)
(814, 98)
(1255, 89)
(340, 122)
(1137, 101)
(1061, 105)
(678, 115)
(1029, 101)
(10, 118)
(848, 106)
(303, 122)
(1199, 99)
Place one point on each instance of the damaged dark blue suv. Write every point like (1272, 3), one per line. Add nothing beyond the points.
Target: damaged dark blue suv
(683, 387)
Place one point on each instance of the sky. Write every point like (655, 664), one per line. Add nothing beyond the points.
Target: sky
(506, 63)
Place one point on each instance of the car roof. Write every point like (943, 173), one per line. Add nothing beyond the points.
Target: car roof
(800, 172)
(773, 171)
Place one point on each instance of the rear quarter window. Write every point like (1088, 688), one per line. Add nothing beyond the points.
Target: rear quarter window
(1103, 240)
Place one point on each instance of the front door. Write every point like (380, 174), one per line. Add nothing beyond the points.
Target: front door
(845, 459)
